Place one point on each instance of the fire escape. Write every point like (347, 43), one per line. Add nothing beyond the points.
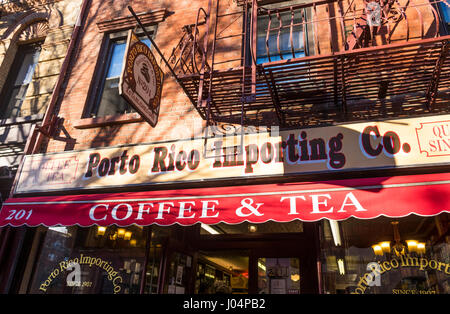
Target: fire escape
(345, 72)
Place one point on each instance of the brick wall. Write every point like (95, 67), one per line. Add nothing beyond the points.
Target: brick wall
(178, 118)
(53, 24)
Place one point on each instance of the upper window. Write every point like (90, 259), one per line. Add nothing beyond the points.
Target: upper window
(445, 9)
(282, 35)
(18, 80)
(108, 101)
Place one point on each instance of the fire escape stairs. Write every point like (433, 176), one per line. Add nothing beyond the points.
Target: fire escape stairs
(224, 93)
(207, 79)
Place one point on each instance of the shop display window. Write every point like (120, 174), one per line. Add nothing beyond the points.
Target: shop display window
(159, 238)
(409, 255)
(222, 272)
(179, 271)
(75, 260)
(279, 276)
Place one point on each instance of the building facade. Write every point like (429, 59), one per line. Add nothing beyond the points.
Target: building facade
(34, 39)
(300, 147)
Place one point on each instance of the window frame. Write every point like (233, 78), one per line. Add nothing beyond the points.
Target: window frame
(445, 22)
(97, 85)
(287, 54)
(9, 85)
(308, 45)
(103, 76)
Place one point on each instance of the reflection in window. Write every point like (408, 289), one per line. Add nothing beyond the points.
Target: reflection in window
(289, 47)
(92, 260)
(19, 79)
(410, 255)
(110, 102)
(279, 276)
(222, 272)
(445, 9)
(179, 271)
(159, 237)
(282, 43)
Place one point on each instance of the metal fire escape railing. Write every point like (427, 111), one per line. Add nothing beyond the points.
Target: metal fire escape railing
(345, 74)
(189, 52)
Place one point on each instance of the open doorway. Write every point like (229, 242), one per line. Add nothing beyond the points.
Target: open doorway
(222, 272)
(268, 258)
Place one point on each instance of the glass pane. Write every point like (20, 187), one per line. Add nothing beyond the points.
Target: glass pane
(278, 276)
(222, 272)
(445, 11)
(111, 103)
(410, 255)
(179, 270)
(15, 102)
(280, 42)
(91, 260)
(276, 57)
(117, 55)
(27, 67)
(249, 228)
(115, 65)
(159, 237)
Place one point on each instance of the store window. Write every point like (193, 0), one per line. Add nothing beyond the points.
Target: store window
(279, 275)
(179, 273)
(153, 275)
(282, 35)
(410, 255)
(19, 79)
(95, 260)
(107, 100)
(222, 272)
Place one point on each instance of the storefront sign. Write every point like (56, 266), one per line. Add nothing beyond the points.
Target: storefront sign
(417, 142)
(424, 195)
(372, 278)
(73, 269)
(141, 79)
(434, 138)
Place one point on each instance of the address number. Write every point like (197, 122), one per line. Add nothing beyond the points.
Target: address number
(19, 214)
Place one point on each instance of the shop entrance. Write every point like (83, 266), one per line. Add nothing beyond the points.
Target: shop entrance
(222, 272)
(229, 272)
(271, 258)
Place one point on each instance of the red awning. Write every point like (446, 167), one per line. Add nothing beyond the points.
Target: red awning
(424, 195)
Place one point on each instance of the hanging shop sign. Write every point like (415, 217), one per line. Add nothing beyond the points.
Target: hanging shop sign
(390, 144)
(141, 79)
(424, 195)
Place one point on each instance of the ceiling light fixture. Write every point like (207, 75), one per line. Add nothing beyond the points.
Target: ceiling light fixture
(341, 266)
(334, 225)
(209, 229)
(398, 246)
(101, 230)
